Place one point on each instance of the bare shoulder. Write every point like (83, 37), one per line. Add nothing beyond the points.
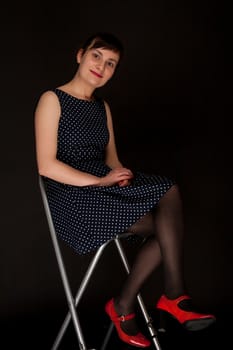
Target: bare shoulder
(107, 107)
(108, 114)
(48, 103)
(48, 108)
(48, 97)
(106, 104)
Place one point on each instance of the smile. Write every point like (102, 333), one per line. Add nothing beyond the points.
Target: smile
(96, 74)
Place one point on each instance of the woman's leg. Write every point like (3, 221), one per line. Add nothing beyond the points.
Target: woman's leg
(166, 223)
(147, 260)
(170, 232)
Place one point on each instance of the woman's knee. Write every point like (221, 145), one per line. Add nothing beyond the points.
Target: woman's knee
(173, 192)
(144, 226)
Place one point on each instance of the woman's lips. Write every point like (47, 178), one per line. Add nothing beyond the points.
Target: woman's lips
(96, 74)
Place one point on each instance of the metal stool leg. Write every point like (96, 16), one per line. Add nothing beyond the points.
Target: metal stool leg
(147, 318)
(69, 296)
(107, 336)
(80, 292)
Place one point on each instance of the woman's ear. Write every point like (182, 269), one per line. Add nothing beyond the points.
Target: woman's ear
(79, 55)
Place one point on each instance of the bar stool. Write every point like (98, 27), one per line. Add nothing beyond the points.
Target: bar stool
(72, 300)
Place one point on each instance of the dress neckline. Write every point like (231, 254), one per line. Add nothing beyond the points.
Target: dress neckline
(75, 97)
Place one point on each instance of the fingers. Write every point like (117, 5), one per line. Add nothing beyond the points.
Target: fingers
(124, 183)
(120, 176)
(123, 172)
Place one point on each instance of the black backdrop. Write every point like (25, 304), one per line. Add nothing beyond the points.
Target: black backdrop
(171, 105)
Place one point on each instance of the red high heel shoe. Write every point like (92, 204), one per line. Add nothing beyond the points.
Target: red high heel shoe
(192, 321)
(138, 340)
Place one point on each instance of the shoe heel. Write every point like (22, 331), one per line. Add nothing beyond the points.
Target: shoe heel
(162, 323)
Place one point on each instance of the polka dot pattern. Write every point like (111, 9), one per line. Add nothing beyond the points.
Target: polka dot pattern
(86, 217)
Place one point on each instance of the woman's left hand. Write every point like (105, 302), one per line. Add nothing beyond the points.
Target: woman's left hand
(124, 183)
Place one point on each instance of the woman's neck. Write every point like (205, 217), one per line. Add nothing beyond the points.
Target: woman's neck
(76, 89)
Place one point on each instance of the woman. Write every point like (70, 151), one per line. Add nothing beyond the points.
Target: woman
(93, 197)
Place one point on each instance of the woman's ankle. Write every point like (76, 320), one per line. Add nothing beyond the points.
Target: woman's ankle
(122, 307)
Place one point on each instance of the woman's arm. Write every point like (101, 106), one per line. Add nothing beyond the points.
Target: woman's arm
(111, 156)
(47, 116)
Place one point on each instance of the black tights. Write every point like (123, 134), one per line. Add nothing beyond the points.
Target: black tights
(164, 228)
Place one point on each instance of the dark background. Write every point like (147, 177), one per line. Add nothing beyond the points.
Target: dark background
(171, 104)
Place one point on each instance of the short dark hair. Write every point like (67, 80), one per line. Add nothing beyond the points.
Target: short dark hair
(104, 40)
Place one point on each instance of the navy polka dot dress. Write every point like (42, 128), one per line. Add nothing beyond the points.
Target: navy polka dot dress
(86, 217)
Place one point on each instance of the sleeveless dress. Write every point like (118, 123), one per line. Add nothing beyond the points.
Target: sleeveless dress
(86, 217)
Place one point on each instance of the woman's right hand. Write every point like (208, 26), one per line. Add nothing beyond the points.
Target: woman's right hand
(116, 176)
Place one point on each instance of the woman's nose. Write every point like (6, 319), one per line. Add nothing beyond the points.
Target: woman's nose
(100, 66)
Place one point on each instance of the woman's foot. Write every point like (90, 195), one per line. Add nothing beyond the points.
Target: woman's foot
(126, 326)
(129, 326)
(182, 310)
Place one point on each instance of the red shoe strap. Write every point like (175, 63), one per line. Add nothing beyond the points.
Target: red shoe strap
(124, 318)
(182, 297)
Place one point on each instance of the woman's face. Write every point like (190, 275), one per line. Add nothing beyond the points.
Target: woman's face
(97, 66)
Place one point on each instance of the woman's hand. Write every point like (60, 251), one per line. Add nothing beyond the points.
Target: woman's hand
(121, 176)
(124, 183)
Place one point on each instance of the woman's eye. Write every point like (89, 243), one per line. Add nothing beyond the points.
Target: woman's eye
(96, 55)
(111, 64)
